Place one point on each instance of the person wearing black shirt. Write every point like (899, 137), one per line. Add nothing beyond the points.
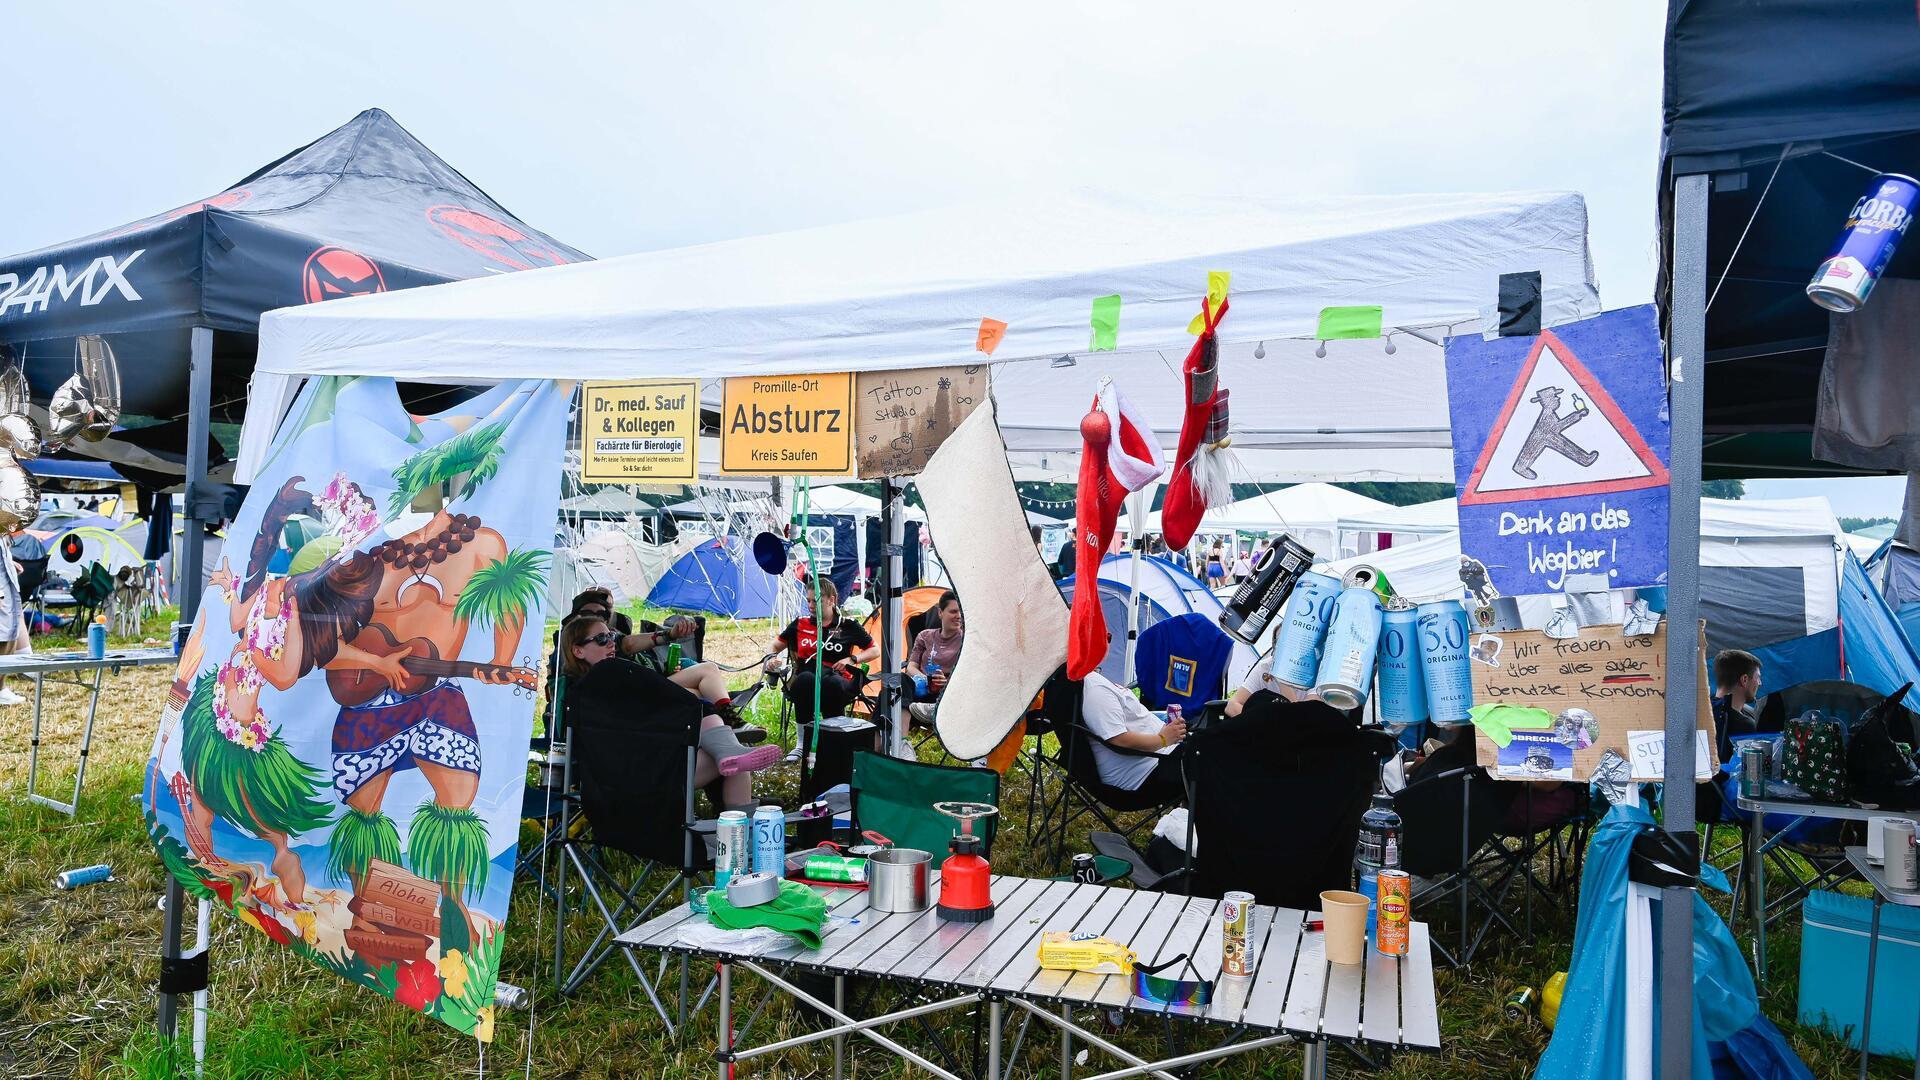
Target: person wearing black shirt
(844, 644)
(705, 680)
(1736, 691)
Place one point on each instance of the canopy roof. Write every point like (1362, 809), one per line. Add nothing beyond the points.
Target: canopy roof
(365, 208)
(1438, 516)
(1319, 506)
(910, 291)
(1763, 96)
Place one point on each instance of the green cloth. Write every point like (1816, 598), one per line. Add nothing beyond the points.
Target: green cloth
(797, 912)
(1499, 720)
(1349, 322)
(1106, 323)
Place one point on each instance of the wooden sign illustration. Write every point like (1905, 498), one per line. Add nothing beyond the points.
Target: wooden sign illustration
(902, 417)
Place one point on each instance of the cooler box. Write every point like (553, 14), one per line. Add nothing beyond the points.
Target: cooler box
(1833, 970)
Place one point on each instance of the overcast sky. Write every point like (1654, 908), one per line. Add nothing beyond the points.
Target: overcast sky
(624, 128)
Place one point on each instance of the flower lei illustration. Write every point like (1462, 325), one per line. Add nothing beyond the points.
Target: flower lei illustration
(254, 735)
(349, 514)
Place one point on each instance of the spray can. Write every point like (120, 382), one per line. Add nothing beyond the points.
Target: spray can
(733, 847)
(1296, 655)
(1353, 637)
(85, 875)
(770, 841)
(1443, 661)
(508, 996)
(1403, 687)
(1259, 598)
(1873, 230)
(96, 640)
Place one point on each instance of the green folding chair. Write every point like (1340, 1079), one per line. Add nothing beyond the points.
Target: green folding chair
(895, 798)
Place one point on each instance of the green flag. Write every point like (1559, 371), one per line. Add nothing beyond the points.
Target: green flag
(1349, 322)
(1106, 323)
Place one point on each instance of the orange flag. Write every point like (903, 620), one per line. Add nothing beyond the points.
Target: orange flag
(991, 331)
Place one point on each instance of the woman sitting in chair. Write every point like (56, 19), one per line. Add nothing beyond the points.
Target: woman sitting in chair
(843, 644)
(935, 651)
(597, 675)
(704, 679)
(1117, 719)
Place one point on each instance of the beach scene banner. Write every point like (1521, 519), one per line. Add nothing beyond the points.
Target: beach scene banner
(342, 758)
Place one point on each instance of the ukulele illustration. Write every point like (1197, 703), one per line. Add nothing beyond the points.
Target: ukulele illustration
(421, 658)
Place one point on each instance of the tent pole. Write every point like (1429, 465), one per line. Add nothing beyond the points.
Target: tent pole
(1687, 347)
(188, 585)
(893, 624)
(1137, 545)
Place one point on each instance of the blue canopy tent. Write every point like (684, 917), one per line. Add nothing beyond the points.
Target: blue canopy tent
(719, 577)
(1870, 647)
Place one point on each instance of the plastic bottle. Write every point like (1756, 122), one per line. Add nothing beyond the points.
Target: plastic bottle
(1378, 849)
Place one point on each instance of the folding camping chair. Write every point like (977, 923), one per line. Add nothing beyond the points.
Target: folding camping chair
(894, 798)
(1543, 820)
(1446, 817)
(636, 791)
(1082, 791)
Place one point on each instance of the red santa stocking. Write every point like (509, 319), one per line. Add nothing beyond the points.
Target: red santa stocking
(1185, 501)
(1118, 456)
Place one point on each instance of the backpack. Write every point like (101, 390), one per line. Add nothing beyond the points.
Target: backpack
(1878, 770)
(1814, 757)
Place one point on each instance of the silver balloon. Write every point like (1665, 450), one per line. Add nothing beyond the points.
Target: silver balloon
(68, 412)
(19, 496)
(88, 404)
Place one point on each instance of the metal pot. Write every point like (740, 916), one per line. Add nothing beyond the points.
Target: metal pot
(897, 879)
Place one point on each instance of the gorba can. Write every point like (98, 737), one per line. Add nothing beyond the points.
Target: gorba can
(1866, 245)
(1236, 940)
(732, 847)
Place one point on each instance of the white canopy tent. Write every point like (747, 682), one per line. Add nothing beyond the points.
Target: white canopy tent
(910, 291)
(1310, 513)
(1405, 524)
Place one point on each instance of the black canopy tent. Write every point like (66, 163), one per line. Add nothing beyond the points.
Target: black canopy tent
(364, 209)
(1775, 111)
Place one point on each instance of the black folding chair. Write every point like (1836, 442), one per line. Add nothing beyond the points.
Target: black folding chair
(634, 766)
(1082, 792)
(1446, 818)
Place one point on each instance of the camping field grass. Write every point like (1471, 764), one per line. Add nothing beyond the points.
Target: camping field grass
(77, 969)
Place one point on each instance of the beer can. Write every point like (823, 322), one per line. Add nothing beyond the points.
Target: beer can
(85, 875)
(1443, 661)
(836, 868)
(1901, 859)
(732, 847)
(770, 841)
(1519, 1004)
(1403, 689)
(508, 996)
(1296, 652)
(1236, 942)
(1395, 922)
(1084, 869)
(1753, 769)
(1873, 230)
(1353, 640)
(1258, 599)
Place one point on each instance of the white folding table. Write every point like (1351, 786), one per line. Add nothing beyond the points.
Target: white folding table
(1292, 996)
(38, 666)
(1883, 893)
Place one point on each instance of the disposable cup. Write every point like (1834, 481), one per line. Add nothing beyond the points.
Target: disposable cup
(1345, 917)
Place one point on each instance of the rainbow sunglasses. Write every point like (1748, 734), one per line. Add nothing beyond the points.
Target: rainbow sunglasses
(1160, 989)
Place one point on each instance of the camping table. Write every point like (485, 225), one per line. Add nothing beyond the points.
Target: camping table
(38, 666)
(1293, 994)
(1883, 893)
(1757, 846)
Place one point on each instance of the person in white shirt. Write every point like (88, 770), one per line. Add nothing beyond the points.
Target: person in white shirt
(1117, 719)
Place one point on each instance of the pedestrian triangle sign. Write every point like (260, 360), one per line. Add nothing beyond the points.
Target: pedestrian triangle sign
(1559, 434)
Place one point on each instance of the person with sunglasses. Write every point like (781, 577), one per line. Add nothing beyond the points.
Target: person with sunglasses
(704, 679)
(599, 679)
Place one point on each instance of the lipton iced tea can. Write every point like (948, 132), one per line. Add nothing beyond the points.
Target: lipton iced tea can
(1395, 924)
(1236, 939)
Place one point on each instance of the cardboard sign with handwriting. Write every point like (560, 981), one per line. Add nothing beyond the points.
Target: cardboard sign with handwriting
(902, 417)
(1621, 680)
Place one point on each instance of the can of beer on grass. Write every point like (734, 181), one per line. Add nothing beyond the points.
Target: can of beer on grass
(770, 841)
(732, 848)
(1866, 245)
(1236, 942)
(85, 875)
(1394, 927)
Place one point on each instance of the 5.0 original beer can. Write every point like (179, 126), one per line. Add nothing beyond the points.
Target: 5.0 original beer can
(1353, 642)
(770, 841)
(1403, 689)
(1296, 652)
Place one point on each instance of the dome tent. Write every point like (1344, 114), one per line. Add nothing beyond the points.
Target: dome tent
(1166, 590)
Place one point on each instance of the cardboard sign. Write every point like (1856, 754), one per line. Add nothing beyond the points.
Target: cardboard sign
(643, 431)
(787, 425)
(902, 417)
(1620, 680)
(1560, 454)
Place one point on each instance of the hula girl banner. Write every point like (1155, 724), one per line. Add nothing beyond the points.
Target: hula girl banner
(342, 760)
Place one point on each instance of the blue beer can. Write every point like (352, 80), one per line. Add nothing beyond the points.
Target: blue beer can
(1873, 230)
(1353, 641)
(1443, 661)
(1296, 651)
(1403, 686)
(770, 841)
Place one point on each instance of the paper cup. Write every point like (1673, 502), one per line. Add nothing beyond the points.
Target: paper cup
(1345, 916)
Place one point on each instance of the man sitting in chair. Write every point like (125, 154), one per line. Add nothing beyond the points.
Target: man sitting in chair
(1117, 719)
(935, 651)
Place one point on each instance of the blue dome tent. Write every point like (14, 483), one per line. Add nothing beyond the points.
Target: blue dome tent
(1166, 591)
(719, 577)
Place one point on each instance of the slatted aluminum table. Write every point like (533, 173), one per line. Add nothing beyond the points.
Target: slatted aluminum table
(1884, 892)
(38, 666)
(1292, 995)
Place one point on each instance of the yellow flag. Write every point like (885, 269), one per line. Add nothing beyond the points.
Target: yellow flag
(1216, 292)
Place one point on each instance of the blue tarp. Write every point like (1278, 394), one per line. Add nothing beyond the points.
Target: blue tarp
(719, 577)
(1879, 655)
